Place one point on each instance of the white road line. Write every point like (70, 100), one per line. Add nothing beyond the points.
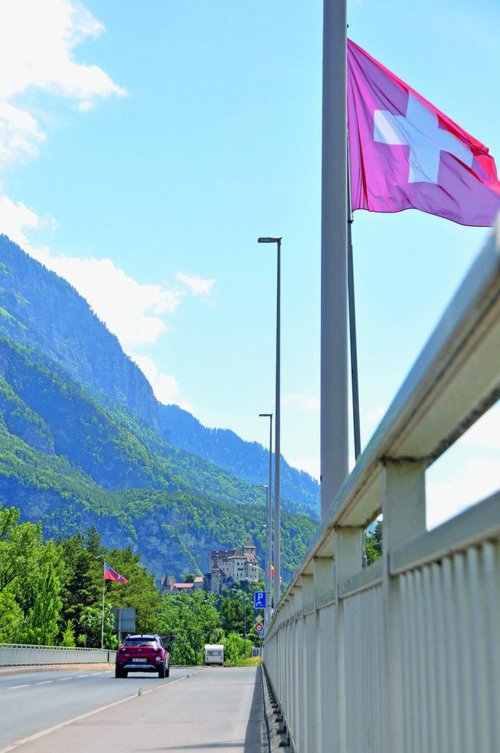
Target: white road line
(13, 687)
(63, 679)
(44, 682)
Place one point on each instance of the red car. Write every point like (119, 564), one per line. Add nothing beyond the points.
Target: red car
(142, 653)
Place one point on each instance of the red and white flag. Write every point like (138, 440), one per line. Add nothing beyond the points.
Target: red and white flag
(406, 154)
(110, 574)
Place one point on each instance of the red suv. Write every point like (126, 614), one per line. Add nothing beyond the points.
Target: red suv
(142, 653)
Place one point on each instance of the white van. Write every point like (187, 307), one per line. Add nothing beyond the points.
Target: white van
(214, 653)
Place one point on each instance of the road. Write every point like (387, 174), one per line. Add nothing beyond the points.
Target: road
(36, 700)
(196, 709)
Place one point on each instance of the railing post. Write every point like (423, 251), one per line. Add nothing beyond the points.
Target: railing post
(298, 731)
(348, 548)
(308, 662)
(403, 508)
(323, 646)
(293, 665)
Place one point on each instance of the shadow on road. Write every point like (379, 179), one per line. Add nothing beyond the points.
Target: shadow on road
(255, 729)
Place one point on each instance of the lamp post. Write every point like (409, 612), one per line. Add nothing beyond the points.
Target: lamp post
(277, 452)
(269, 524)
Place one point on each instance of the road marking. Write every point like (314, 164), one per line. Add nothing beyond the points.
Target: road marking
(44, 682)
(63, 679)
(42, 733)
(13, 687)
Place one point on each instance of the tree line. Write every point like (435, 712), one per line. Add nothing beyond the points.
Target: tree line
(51, 594)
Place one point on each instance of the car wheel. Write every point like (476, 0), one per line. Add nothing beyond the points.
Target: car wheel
(120, 672)
(167, 673)
(161, 671)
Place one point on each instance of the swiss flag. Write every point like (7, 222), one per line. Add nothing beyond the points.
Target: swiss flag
(406, 154)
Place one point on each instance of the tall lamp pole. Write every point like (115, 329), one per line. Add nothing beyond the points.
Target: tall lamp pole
(277, 451)
(269, 522)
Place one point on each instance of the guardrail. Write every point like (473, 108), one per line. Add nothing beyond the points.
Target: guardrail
(17, 654)
(403, 656)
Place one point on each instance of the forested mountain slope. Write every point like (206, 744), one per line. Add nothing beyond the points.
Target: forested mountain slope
(248, 460)
(79, 449)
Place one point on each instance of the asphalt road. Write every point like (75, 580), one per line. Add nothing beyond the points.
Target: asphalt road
(33, 701)
(196, 709)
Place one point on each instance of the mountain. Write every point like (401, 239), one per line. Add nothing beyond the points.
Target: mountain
(40, 309)
(247, 460)
(84, 442)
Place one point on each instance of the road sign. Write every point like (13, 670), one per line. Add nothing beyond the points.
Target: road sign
(259, 599)
(262, 633)
(259, 627)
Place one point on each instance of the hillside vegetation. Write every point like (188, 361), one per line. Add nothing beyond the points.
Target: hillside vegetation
(83, 442)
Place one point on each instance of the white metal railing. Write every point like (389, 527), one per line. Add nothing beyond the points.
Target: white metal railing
(18, 654)
(403, 656)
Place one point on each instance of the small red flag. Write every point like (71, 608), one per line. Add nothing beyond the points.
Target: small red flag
(110, 574)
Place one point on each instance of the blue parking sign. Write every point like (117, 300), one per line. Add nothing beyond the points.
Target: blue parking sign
(259, 600)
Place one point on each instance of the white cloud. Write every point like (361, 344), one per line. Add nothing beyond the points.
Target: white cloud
(474, 480)
(485, 433)
(309, 465)
(15, 217)
(165, 386)
(37, 42)
(133, 311)
(19, 134)
(197, 285)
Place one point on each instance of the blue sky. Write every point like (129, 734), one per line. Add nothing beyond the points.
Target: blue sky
(144, 146)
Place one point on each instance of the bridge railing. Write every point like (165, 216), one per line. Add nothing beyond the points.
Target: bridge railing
(402, 656)
(18, 654)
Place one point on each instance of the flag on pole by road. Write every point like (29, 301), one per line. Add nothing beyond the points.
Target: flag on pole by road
(406, 154)
(110, 574)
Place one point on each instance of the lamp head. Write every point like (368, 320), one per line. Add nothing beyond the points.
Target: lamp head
(271, 239)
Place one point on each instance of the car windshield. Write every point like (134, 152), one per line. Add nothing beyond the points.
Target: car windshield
(140, 642)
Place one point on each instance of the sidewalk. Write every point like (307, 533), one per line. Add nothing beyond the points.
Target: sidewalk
(217, 709)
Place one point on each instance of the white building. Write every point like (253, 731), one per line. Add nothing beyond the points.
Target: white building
(228, 566)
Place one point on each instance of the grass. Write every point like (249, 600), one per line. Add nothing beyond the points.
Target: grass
(252, 661)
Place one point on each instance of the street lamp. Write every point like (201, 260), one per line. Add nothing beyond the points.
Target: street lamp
(269, 556)
(277, 455)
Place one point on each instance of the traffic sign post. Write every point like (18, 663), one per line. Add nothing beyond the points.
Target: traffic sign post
(259, 600)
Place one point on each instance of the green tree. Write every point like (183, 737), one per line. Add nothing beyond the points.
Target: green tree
(373, 543)
(11, 617)
(91, 627)
(236, 648)
(236, 609)
(19, 543)
(81, 575)
(194, 621)
(68, 637)
(42, 622)
(141, 591)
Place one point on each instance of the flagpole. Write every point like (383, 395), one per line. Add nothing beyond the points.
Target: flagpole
(103, 594)
(334, 320)
(352, 321)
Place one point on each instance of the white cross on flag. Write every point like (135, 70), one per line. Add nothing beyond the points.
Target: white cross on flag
(406, 154)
